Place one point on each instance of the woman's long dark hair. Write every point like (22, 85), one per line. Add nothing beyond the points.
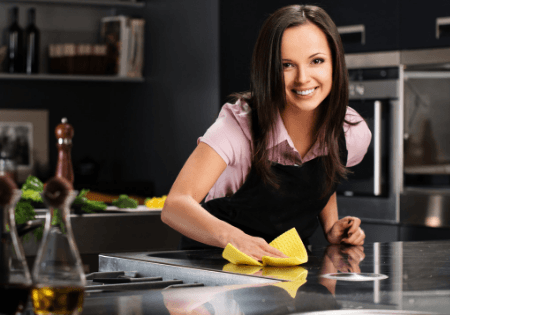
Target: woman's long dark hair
(267, 93)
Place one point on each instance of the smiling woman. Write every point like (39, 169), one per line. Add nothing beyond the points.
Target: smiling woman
(272, 160)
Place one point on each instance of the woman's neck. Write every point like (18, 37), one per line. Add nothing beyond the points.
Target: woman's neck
(300, 125)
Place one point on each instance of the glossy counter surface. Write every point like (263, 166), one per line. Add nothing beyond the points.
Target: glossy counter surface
(411, 277)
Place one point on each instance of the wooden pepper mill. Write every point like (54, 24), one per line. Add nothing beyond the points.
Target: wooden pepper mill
(64, 133)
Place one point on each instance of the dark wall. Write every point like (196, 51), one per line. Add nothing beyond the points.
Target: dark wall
(139, 132)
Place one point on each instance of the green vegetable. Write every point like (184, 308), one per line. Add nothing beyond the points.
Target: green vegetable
(24, 211)
(32, 183)
(125, 202)
(89, 206)
(31, 195)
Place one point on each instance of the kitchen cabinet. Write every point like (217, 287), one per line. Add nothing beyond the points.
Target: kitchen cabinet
(417, 24)
(379, 18)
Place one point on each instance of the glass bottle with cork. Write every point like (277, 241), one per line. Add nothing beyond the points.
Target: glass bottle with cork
(15, 279)
(58, 275)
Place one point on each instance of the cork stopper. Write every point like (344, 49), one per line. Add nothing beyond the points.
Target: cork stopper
(56, 191)
(64, 130)
(7, 187)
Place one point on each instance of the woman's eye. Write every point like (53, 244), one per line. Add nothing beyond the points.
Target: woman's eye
(287, 65)
(318, 61)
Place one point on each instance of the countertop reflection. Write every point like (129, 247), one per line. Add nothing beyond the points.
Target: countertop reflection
(409, 277)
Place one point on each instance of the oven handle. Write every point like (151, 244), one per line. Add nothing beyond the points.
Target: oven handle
(377, 180)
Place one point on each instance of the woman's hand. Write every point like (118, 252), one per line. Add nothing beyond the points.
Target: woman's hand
(346, 230)
(256, 247)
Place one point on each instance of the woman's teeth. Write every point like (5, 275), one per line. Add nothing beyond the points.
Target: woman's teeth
(306, 92)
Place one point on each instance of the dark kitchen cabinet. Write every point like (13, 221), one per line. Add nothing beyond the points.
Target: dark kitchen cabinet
(418, 24)
(380, 20)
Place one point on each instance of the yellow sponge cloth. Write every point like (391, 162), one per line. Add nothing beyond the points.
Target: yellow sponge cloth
(288, 243)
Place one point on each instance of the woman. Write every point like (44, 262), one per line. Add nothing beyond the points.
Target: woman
(272, 160)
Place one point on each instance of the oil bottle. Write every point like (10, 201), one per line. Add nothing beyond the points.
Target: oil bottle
(15, 279)
(58, 275)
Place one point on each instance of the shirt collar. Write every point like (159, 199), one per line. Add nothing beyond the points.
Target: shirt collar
(280, 133)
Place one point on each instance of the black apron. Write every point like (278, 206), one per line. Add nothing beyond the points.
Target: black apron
(260, 210)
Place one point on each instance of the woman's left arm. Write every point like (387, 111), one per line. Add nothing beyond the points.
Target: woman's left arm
(346, 230)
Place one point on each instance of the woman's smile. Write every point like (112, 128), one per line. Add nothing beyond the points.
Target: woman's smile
(305, 93)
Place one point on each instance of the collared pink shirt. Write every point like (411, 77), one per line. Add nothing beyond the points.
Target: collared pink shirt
(230, 137)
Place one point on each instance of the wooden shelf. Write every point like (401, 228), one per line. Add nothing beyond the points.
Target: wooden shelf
(67, 77)
(80, 3)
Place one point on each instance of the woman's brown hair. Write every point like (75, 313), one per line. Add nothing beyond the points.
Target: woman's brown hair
(267, 94)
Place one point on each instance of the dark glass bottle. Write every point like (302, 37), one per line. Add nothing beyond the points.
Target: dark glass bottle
(14, 62)
(32, 44)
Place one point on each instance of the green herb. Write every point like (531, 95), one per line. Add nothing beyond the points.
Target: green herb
(125, 202)
(31, 195)
(25, 212)
(89, 206)
(32, 183)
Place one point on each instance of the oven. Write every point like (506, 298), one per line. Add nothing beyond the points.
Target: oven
(404, 178)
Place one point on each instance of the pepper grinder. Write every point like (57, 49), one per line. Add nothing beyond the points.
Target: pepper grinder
(64, 133)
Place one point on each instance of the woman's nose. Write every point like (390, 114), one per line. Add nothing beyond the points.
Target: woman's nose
(302, 75)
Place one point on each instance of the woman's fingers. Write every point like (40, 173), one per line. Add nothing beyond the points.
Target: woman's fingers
(256, 248)
(353, 225)
(357, 238)
(273, 252)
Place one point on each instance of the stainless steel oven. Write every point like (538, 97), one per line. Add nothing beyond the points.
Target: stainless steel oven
(404, 177)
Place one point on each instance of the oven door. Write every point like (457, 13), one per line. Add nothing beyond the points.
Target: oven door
(370, 177)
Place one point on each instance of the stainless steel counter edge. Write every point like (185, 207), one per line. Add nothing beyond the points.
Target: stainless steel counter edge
(169, 272)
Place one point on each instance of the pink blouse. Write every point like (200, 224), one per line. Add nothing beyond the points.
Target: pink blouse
(230, 137)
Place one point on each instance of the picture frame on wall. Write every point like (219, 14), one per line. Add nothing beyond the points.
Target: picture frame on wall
(24, 140)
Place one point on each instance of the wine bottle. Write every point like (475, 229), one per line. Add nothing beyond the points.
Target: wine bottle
(15, 44)
(32, 44)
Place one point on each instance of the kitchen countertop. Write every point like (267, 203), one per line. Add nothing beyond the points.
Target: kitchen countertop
(408, 277)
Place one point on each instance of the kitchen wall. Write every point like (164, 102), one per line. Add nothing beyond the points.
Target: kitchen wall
(140, 133)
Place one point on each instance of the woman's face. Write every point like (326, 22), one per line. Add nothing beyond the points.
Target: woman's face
(307, 63)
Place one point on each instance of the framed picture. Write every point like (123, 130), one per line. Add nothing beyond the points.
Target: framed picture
(24, 138)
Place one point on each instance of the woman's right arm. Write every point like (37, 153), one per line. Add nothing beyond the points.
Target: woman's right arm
(182, 210)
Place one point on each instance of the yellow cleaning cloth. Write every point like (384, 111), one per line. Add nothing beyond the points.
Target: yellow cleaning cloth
(288, 243)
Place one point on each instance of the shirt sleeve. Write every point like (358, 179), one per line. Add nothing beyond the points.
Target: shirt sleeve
(358, 137)
(226, 136)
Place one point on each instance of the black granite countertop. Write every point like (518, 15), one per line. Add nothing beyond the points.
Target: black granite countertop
(404, 277)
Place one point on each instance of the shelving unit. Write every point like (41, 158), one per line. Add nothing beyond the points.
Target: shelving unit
(88, 11)
(67, 77)
(80, 3)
